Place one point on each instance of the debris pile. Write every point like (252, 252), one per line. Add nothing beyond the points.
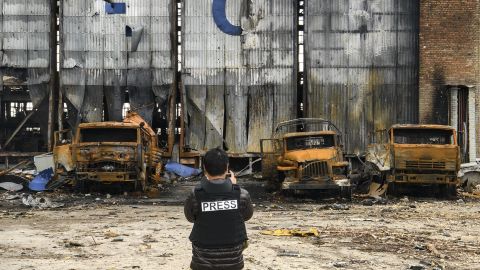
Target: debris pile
(39, 202)
(469, 176)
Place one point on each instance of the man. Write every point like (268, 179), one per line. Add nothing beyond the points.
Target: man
(218, 207)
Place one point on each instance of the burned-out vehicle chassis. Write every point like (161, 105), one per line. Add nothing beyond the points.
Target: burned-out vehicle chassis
(306, 154)
(419, 155)
(109, 152)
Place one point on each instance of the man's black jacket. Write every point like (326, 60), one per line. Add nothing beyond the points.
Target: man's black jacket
(224, 258)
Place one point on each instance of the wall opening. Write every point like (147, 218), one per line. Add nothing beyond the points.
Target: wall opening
(462, 118)
(301, 56)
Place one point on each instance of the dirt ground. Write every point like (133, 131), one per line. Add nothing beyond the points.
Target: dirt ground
(124, 232)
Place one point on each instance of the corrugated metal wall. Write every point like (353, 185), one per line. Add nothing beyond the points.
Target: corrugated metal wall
(238, 87)
(362, 65)
(98, 61)
(25, 45)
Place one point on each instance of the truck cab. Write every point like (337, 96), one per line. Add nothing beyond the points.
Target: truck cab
(417, 155)
(309, 156)
(111, 152)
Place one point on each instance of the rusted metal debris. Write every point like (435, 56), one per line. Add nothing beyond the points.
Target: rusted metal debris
(19, 165)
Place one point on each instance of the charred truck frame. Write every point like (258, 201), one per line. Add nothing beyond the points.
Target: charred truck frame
(110, 152)
(416, 155)
(307, 154)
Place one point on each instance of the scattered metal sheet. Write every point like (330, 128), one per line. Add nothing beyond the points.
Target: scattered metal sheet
(10, 186)
(377, 189)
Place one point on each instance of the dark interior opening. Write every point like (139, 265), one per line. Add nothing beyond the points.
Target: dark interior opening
(90, 135)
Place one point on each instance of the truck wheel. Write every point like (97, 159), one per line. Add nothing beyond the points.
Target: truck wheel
(448, 191)
(80, 186)
(452, 191)
(274, 184)
(392, 189)
(137, 186)
(346, 193)
(143, 186)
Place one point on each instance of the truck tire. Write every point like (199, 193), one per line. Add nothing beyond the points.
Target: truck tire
(275, 184)
(392, 189)
(448, 191)
(346, 193)
(80, 186)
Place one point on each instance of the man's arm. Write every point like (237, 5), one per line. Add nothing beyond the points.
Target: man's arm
(190, 207)
(246, 206)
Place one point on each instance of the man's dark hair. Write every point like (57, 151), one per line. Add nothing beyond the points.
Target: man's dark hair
(215, 162)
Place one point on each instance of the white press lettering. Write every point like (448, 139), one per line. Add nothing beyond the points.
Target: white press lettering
(205, 207)
(219, 205)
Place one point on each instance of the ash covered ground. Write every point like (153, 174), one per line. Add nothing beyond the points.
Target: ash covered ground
(137, 231)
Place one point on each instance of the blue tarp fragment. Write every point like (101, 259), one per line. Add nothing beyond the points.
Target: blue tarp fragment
(181, 170)
(41, 180)
(115, 8)
(220, 18)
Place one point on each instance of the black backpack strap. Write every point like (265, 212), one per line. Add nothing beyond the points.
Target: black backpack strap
(198, 188)
(236, 190)
(198, 192)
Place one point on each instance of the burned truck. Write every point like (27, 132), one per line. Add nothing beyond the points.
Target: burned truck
(306, 155)
(420, 155)
(109, 152)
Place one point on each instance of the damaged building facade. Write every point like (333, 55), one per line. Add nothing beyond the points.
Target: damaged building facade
(449, 69)
(27, 50)
(238, 86)
(234, 69)
(361, 66)
(116, 53)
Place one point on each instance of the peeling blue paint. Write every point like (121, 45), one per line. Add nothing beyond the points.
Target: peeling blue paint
(115, 8)
(220, 18)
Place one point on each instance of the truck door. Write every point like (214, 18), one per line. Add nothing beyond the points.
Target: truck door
(270, 151)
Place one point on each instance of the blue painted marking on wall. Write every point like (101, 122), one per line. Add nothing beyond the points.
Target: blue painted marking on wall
(220, 18)
(115, 8)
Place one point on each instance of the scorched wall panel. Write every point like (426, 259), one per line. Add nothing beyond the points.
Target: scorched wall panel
(237, 88)
(25, 45)
(101, 59)
(362, 65)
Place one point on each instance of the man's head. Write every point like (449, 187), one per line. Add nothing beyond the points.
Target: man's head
(215, 162)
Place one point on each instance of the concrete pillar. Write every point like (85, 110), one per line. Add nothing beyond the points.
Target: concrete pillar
(472, 149)
(454, 107)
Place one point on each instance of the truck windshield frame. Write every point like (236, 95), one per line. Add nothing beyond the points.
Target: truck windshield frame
(426, 136)
(104, 135)
(310, 142)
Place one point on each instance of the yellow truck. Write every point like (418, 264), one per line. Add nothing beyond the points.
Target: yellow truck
(307, 154)
(109, 152)
(418, 155)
